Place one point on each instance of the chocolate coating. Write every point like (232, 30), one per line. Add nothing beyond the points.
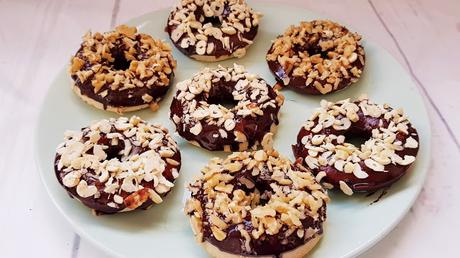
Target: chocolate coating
(125, 98)
(362, 128)
(122, 69)
(298, 83)
(266, 244)
(100, 202)
(286, 239)
(253, 127)
(235, 41)
(304, 43)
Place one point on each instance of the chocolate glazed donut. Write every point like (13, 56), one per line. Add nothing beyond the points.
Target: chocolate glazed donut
(316, 57)
(118, 165)
(213, 30)
(200, 116)
(244, 207)
(122, 70)
(390, 148)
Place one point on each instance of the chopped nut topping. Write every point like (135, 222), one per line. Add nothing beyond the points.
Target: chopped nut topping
(326, 144)
(411, 143)
(85, 190)
(345, 188)
(294, 196)
(82, 161)
(250, 92)
(341, 47)
(150, 62)
(189, 25)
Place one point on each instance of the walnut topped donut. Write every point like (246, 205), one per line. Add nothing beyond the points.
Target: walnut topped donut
(213, 30)
(391, 145)
(317, 57)
(118, 165)
(122, 70)
(200, 116)
(256, 204)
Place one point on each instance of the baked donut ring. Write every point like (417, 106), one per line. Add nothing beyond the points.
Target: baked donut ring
(391, 146)
(118, 165)
(122, 70)
(213, 30)
(256, 204)
(316, 57)
(200, 117)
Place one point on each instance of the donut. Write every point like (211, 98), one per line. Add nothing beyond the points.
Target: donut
(256, 204)
(213, 30)
(118, 165)
(198, 109)
(390, 147)
(122, 70)
(316, 57)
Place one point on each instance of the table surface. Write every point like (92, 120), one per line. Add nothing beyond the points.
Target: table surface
(37, 39)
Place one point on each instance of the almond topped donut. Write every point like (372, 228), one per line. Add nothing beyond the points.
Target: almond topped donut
(316, 57)
(122, 70)
(391, 145)
(213, 30)
(256, 204)
(118, 165)
(200, 116)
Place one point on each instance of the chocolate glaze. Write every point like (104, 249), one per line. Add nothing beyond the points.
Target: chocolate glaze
(100, 204)
(375, 180)
(116, 98)
(273, 245)
(253, 127)
(298, 82)
(219, 50)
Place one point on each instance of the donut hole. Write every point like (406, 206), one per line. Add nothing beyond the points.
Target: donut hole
(214, 20)
(312, 47)
(120, 62)
(226, 102)
(222, 95)
(357, 138)
(112, 151)
(249, 184)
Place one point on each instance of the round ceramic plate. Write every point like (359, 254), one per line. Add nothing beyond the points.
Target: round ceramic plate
(353, 225)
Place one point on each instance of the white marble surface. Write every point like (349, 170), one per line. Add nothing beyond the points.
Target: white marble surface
(38, 37)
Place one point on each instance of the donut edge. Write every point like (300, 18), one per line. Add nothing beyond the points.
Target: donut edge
(99, 105)
(299, 251)
(209, 59)
(239, 53)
